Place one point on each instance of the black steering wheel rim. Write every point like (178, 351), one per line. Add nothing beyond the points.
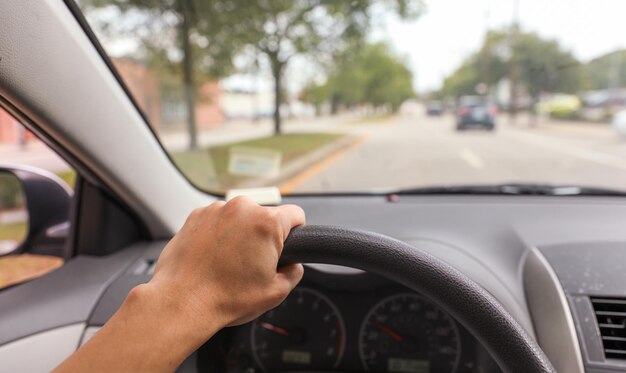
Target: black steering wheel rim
(477, 310)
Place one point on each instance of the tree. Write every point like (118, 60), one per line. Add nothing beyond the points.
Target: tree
(208, 34)
(543, 65)
(488, 65)
(318, 28)
(607, 71)
(316, 94)
(196, 40)
(462, 81)
(368, 75)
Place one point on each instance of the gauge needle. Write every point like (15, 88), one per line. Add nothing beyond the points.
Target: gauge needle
(274, 328)
(397, 337)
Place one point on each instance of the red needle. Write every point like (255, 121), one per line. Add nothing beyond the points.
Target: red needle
(388, 331)
(274, 328)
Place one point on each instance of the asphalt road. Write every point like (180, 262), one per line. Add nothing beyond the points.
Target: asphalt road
(414, 150)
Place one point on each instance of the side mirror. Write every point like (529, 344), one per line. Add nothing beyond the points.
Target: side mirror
(13, 215)
(34, 211)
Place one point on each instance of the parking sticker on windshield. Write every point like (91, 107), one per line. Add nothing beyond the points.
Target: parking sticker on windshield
(254, 162)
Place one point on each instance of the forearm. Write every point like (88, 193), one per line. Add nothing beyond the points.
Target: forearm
(149, 333)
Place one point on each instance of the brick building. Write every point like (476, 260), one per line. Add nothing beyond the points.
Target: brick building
(166, 111)
(11, 131)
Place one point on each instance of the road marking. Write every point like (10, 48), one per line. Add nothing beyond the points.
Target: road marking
(575, 151)
(471, 158)
(291, 184)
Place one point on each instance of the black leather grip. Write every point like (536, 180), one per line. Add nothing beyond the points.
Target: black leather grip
(512, 348)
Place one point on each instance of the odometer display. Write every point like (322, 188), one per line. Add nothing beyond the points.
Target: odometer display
(406, 333)
(306, 332)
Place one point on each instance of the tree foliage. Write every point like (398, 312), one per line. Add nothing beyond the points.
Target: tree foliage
(607, 71)
(546, 67)
(366, 75)
(543, 65)
(208, 34)
(317, 28)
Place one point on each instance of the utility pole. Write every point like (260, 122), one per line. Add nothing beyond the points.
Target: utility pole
(513, 64)
(484, 68)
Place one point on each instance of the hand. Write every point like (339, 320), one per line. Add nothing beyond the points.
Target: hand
(223, 263)
(219, 270)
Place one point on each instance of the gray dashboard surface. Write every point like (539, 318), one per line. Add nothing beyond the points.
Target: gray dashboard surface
(63, 297)
(590, 269)
(486, 237)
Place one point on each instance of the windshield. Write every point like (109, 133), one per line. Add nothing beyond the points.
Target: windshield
(316, 96)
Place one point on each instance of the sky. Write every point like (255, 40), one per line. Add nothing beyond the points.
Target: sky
(436, 43)
(450, 30)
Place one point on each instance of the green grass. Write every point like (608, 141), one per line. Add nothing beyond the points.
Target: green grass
(208, 168)
(13, 232)
(69, 177)
(374, 119)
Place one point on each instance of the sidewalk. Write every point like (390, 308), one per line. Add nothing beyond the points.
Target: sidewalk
(37, 154)
(237, 131)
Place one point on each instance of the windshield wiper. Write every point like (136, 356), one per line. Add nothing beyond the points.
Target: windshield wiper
(514, 189)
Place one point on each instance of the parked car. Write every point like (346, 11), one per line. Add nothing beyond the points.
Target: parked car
(434, 108)
(619, 123)
(561, 106)
(476, 111)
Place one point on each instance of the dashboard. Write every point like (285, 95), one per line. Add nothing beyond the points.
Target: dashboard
(556, 264)
(344, 320)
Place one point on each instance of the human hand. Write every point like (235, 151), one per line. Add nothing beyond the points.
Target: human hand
(222, 265)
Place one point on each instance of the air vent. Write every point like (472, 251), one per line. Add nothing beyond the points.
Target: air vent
(611, 316)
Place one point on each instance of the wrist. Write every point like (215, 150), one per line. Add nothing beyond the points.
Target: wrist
(170, 328)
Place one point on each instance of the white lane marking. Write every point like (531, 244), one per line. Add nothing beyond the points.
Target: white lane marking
(471, 158)
(575, 151)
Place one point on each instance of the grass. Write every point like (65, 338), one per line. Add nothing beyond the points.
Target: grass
(374, 119)
(13, 232)
(15, 269)
(69, 177)
(208, 168)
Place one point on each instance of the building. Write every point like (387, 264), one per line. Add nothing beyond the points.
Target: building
(11, 131)
(161, 102)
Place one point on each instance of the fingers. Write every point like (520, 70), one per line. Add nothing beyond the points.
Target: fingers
(288, 277)
(290, 216)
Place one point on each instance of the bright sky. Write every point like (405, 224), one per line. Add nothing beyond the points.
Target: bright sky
(451, 29)
(436, 43)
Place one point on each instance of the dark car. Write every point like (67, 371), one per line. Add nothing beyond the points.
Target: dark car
(476, 111)
(434, 108)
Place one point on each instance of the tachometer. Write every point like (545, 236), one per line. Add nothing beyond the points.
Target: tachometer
(305, 332)
(406, 333)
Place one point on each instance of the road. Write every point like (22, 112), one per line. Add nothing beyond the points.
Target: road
(415, 150)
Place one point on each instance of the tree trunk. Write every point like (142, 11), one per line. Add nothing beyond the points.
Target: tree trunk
(189, 86)
(277, 71)
(533, 116)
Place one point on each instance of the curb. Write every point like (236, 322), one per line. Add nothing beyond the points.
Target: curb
(302, 163)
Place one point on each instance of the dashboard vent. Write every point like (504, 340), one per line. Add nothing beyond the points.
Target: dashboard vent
(611, 317)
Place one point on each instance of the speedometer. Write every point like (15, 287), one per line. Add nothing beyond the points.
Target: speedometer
(406, 333)
(305, 332)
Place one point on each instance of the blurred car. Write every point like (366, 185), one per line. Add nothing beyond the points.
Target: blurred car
(434, 108)
(561, 106)
(476, 111)
(619, 122)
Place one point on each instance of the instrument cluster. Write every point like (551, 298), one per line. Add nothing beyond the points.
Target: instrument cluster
(356, 323)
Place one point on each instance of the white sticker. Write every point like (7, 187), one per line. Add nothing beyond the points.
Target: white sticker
(254, 162)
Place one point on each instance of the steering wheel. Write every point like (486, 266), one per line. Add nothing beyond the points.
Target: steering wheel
(479, 312)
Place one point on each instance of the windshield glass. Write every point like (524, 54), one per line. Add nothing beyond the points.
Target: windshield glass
(317, 96)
